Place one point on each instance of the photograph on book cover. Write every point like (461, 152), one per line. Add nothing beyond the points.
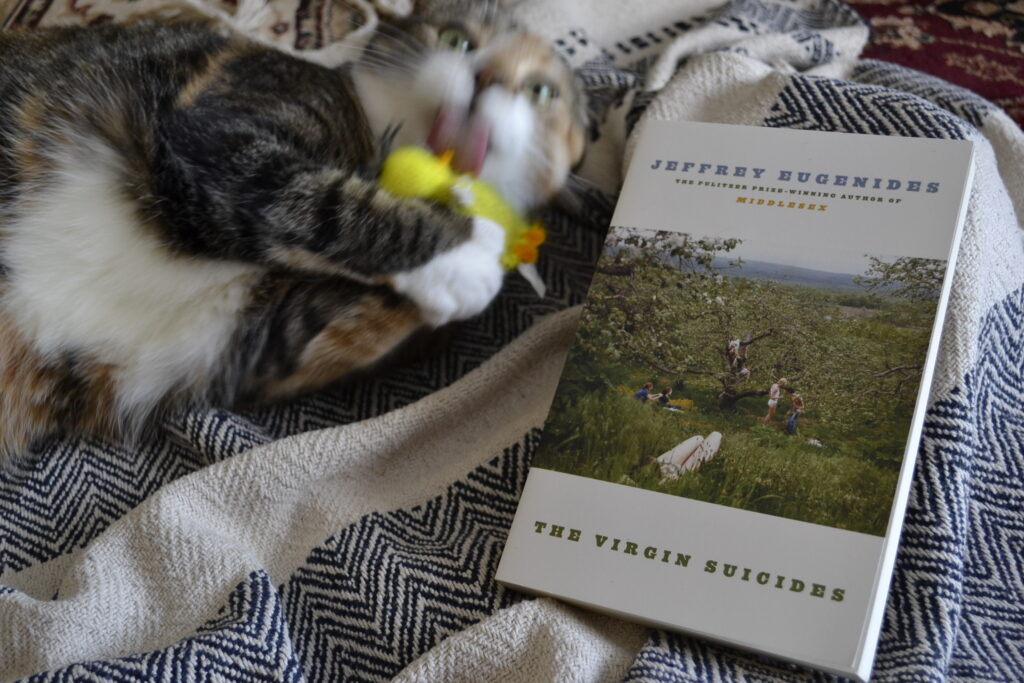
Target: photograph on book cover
(702, 369)
(732, 440)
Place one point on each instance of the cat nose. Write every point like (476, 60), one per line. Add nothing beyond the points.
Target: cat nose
(486, 78)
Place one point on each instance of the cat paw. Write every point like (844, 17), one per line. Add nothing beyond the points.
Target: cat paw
(462, 192)
(461, 282)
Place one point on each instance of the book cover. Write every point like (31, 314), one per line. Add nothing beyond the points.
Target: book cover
(731, 445)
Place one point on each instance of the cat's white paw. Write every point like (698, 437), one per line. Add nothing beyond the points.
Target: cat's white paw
(462, 191)
(459, 283)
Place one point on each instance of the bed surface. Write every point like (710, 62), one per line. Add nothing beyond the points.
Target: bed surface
(354, 534)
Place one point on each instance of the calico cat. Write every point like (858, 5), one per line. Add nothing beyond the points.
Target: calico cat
(189, 218)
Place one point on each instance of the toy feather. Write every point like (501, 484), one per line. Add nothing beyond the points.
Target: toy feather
(414, 172)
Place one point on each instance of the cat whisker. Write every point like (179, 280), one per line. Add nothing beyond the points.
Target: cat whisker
(383, 65)
(390, 60)
(572, 194)
(538, 154)
(397, 39)
(493, 10)
(164, 261)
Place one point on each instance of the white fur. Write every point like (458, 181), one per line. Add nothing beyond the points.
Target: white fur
(462, 192)
(86, 277)
(446, 79)
(458, 283)
(443, 78)
(510, 165)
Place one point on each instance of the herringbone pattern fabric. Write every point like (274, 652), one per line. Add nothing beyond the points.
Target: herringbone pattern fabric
(306, 562)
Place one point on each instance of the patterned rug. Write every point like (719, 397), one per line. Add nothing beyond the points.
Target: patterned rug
(976, 44)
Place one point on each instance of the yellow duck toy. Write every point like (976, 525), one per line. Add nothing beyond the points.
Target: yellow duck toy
(415, 172)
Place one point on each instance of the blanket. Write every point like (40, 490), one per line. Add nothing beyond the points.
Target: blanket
(354, 534)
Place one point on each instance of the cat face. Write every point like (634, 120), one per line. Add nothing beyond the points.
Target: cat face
(462, 77)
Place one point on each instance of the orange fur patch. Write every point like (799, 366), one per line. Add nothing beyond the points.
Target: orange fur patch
(26, 392)
(37, 399)
(357, 340)
(30, 119)
(97, 414)
(202, 80)
(561, 128)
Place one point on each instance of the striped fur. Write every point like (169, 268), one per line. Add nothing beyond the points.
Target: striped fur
(192, 218)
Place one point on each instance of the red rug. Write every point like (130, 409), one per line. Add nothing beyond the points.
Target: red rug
(973, 43)
(977, 44)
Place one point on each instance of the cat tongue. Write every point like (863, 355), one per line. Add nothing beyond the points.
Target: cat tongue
(445, 130)
(466, 139)
(471, 148)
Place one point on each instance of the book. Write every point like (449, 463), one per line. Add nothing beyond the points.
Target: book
(730, 448)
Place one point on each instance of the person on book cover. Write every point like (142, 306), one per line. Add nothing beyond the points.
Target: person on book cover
(644, 394)
(798, 407)
(736, 353)
(664, 398)
(732, 350)
(774, 393)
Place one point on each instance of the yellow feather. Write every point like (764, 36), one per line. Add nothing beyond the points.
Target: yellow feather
(414, 172)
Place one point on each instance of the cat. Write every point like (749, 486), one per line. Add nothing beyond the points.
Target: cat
(189, 218)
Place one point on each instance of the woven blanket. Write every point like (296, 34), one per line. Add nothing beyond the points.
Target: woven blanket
(354, 534)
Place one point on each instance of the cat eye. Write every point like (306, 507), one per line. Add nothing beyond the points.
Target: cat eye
(539, 91)
(454, 38)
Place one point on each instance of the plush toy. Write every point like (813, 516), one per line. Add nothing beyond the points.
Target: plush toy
(415, 172)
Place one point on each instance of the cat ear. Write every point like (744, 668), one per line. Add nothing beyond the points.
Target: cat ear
(576, 143)
(571, 196)
(577, 135)
(583, 124)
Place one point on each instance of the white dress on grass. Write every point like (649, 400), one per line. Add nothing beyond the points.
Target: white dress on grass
(688, 455)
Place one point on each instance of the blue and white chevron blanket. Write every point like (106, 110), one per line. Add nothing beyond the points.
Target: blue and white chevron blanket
(354, 535)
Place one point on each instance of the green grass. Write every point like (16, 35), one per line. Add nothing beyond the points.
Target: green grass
(608, 435)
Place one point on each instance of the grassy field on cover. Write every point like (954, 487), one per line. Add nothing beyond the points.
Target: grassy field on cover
(805, 383)
(612, 436)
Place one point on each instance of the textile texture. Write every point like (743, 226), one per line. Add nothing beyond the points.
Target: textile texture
(979, 45)
(354, 534)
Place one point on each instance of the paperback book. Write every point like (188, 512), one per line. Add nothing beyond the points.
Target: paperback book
(731, 445)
